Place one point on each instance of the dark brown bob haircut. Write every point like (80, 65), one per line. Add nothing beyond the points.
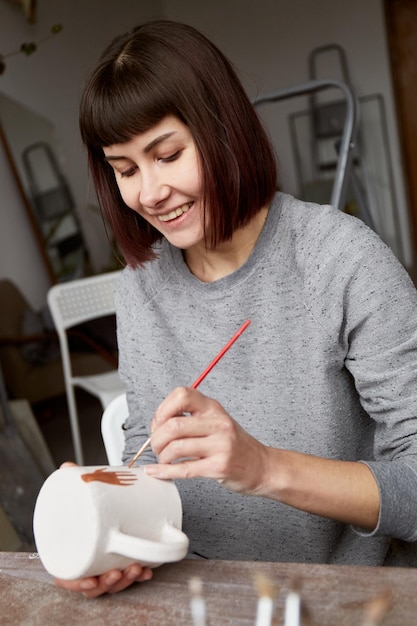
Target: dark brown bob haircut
(166, 68)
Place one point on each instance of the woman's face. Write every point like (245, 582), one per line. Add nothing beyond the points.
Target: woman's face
(158, 175)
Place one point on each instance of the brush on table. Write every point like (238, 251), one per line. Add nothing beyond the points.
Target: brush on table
(265, 607)
(199, 380)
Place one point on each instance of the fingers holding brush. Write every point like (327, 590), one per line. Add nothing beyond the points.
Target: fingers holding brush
(206, 442)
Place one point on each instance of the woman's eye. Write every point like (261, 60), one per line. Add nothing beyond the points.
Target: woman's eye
(171, 157)
(128, 172)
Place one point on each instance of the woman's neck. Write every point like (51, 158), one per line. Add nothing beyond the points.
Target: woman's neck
(209, 265)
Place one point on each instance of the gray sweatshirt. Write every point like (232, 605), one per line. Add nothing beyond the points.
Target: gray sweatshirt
(327, 367)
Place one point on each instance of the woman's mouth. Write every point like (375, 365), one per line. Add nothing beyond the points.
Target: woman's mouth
(172, 215)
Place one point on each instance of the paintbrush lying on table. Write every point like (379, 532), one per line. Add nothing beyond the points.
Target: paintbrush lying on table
(199, 380)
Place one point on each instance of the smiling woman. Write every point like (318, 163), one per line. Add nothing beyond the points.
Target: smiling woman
(288, 452)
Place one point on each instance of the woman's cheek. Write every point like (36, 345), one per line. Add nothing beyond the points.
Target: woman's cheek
(130, 199)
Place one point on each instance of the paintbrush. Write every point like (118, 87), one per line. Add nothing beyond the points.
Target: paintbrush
(292, 613)
(199, 380)
(265, 605)
(197, 602)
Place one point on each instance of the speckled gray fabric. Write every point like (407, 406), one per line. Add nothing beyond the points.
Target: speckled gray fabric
(327, 367)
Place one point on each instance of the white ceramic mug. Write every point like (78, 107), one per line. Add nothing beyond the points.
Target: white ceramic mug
(88, 520)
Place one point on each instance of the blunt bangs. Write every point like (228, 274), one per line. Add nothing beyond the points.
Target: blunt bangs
(120, 102)
(144, 76)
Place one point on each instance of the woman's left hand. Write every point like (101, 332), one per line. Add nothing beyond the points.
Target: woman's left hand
(193, 436)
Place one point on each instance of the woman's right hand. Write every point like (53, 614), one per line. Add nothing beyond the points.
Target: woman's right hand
(110, 582)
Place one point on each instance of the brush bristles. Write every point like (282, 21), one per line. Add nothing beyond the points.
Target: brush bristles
(377, 608)
(263, 586)
(195, 586)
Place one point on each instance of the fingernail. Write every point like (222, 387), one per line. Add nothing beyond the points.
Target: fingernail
(133, 572)
(112, 578)
(150, 470)
(87, 585)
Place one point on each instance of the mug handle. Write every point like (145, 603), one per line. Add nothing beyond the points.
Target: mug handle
(173, 546)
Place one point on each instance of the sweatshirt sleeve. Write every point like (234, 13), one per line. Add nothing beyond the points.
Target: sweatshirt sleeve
(380, 334)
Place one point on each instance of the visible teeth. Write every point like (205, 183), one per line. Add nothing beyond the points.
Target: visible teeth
(174, 213)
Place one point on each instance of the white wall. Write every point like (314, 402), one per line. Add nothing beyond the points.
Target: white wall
(50, 82)
(268, 40)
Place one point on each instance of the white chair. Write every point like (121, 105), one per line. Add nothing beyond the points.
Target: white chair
(73, 303)
(112, 422)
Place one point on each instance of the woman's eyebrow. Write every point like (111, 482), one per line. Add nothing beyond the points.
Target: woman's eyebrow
(157, 141)
(114, 158)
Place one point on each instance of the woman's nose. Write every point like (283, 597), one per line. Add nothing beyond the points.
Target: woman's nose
(153, 189)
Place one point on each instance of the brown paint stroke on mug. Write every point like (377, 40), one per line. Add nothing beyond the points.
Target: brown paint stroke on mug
(103, 475)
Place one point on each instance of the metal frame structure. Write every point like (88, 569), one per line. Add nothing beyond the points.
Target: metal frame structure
(347, 144)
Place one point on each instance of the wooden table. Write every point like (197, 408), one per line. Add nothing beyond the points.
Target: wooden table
(334, 595)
